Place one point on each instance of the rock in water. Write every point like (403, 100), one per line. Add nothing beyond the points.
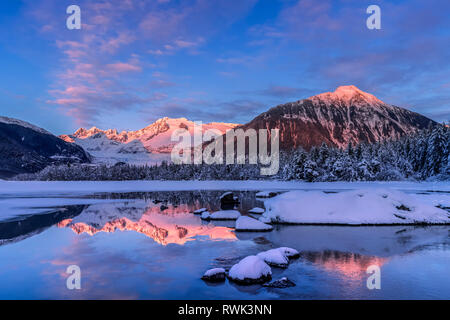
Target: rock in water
(256, 210)
(221, 215)
(290, 253)
(205, 215)
(274, 257)
(200, 211)
(214, 275)
(250, 270)
(280, 283)
(245, 223)
(228, 199)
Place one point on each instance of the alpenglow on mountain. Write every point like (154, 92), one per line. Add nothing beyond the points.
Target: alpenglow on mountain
(151, 144)
(347, 115)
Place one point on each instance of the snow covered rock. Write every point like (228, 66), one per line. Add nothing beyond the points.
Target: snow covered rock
(214, 275)
(221, 215)
(256, 210)
(266, 194)
(205, 215)
(200, 211)
(280, 283)
(228, 199)
(245, 223)
(275, 257)
(250, 270)
(265, 219)
(358, 207)
(289, 252)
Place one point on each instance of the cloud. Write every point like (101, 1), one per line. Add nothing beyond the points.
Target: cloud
(110, 65)
(104, 66)
(122, 67)
(284, 91)
(327, 43)
(206, 110)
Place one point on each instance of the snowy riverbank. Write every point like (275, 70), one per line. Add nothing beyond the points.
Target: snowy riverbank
(89, 187)
(359, 207)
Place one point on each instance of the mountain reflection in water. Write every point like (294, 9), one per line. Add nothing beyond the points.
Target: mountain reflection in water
(172, 225)
(166, 217)
(151, 246)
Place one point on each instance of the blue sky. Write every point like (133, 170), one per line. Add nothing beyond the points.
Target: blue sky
(134, 61)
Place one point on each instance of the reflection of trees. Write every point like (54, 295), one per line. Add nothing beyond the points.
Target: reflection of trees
(194, 199)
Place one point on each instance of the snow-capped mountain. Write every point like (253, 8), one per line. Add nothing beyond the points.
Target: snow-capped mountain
(26, 148)
(151, 144)
(337, 118)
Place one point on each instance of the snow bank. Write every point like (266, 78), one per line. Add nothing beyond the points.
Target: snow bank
(251, 269)
(245, 223)
(221, 215)
(266, 194)
(89, 187)
(256, 210)
(359, 207)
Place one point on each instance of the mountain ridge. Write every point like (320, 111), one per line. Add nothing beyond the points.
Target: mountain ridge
(151, 144)
(26, 148)
(347, 115)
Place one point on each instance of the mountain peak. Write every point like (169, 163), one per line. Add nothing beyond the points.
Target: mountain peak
(349, 95)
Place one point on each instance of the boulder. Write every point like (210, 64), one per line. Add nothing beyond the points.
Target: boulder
(245, 223)
(214, 275)
(250, 270)
(280, 283)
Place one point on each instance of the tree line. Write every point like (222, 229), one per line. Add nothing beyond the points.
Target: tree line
(421, 156)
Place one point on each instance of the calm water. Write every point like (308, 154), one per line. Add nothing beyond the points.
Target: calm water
(128, 247)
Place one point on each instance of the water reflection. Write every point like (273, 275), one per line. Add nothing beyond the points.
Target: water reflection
(166, 217)
(347, 264)
(19, 228)
(172, 225)
(151, 246)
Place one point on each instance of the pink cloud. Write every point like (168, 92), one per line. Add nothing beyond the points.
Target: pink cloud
(123, 67)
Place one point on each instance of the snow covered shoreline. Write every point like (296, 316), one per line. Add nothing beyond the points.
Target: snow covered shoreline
(89, 187)
(358, 207)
